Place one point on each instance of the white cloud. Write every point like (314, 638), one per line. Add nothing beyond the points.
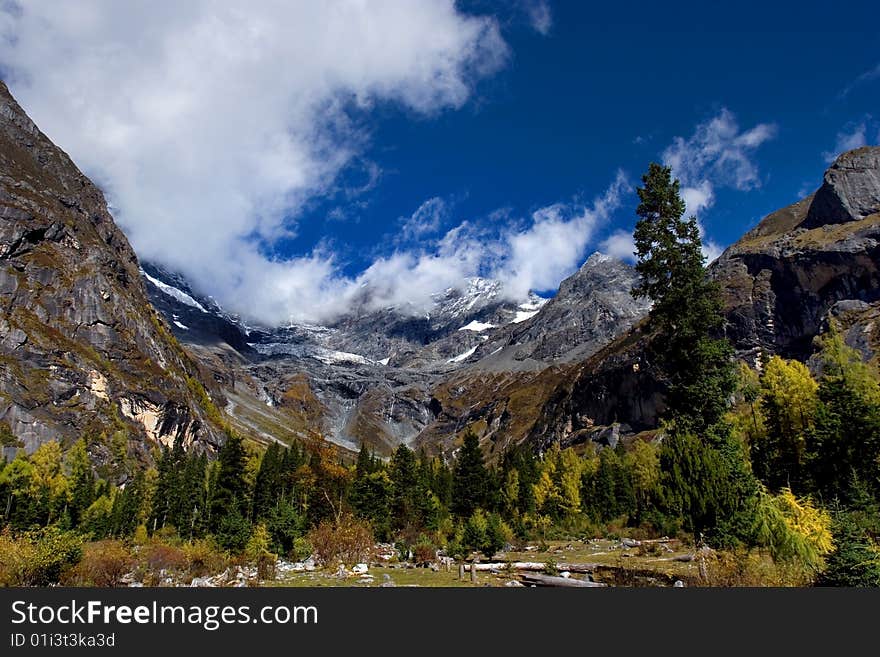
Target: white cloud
(426, 220)
(619, 244)
(540, 16)
(534, 255)
(210, 124)
(699, 198)
(718, 154)
(553, 247)
(852, 136)
(867, 76)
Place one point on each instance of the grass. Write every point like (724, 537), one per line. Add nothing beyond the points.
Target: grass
(629, 567)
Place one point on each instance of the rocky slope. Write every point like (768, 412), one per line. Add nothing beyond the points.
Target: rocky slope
(83, 351)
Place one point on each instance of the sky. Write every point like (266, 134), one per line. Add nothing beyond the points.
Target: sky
(292, 159)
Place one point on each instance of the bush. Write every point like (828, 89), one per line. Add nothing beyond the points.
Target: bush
(301, 549)
(38, 558)
(203, 558)
(346, 539)
(104, 563)
(157, 556)
(424, 551)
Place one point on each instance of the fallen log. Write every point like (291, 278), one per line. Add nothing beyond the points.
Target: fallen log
(549, 580)
(533, 566)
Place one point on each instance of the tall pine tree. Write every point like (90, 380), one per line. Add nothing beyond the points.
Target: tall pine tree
(706, 476)
(469, 478)
(687, 306)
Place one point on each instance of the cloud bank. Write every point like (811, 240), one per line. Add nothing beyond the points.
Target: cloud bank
(210, 124)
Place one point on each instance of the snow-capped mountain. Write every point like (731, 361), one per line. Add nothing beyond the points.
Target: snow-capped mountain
(369, 376)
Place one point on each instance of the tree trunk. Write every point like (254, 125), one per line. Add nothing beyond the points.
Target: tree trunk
(548, 580)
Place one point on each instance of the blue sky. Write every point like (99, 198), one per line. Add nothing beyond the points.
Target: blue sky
(609, 88)
(288, 158)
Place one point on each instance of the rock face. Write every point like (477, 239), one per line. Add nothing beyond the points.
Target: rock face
(591, 308)
(783, 278)
(83, 351)
(850, 190)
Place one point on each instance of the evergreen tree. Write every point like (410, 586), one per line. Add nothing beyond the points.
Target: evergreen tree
(469, 478)
(687, 306)
(846, 440)
(82, 480)
(229, 498)
(268, 484)
(407, 489)
(706, 476)
(371, 498)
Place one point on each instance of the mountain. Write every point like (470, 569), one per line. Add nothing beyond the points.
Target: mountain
(83, 351)
(383, 376)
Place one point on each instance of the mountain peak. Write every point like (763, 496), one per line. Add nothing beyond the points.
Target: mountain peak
(850, 189)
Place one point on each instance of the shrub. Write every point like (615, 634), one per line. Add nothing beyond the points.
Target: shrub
(104, 563)
(157, 556)
(301, 549)
(424, 551)
(37, 558)
(203, 558)
(346, 539)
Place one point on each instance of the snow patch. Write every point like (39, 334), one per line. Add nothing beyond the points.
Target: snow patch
(174, 293)
(385, 361)
(523, 315)
(179, 325)
(463, 357)
(477, 326)
(301, 351)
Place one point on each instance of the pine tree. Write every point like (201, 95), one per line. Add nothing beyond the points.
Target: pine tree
(82, 480)
(687, 306)
(404, 473)
(706, 475)
(229, 498)
(469, 478)
(268, 484)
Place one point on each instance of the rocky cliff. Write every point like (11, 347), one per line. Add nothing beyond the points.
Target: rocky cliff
(818, 256)
(83, 352)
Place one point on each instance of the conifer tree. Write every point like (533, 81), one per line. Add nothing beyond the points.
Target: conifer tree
(229, 495)
(687, 305)
(469, 478)
(706, 474)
